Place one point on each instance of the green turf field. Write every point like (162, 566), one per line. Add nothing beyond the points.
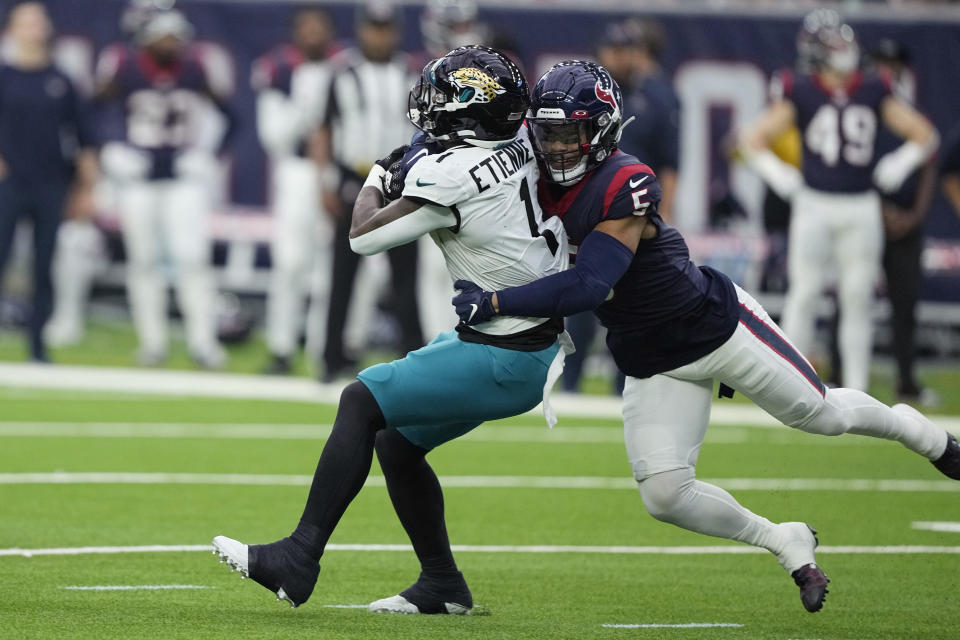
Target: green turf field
(151, 444)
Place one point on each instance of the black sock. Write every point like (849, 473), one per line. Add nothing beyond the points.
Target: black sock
(418, 501)
(343, 467)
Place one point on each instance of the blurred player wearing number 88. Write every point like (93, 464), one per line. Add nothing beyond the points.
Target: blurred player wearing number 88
(836, 214)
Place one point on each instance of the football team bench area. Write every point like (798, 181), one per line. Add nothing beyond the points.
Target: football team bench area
(110, 500)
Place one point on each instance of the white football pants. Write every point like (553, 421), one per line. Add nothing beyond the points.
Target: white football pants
(169, 218)
(301, 245)
(665, 419)
(845, 232)
(79, 257)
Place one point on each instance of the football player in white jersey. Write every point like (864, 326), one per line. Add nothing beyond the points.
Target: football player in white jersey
(292, 82)
(471, 187)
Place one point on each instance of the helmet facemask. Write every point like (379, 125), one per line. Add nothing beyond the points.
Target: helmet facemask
(570, 147)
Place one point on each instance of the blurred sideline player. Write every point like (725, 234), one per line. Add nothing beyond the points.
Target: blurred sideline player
(836, 211)
(904, 214)
(471, 189)
(158, 93)
(47, 156)
(674, 328)
(364, 120)
(292, 82)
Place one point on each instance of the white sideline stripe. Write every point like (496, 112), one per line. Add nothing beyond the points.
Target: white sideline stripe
(245, 431)
(478, 482)
(466, 548)
(947, 527)
(687, 625)
(243, 386)
(136, 587)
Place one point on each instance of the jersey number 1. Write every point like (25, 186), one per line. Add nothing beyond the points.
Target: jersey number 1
(547, 235)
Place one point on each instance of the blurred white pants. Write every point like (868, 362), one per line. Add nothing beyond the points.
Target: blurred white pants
(169, 218)
(844, 231)
(301, 247)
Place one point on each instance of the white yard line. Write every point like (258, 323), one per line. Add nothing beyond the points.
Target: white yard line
(549, 549)
(479, 482)
(686, 625)
(946, 527)
(241, 386)
(135, 587)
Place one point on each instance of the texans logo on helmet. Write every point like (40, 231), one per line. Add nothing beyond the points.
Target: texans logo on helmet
(605, 94)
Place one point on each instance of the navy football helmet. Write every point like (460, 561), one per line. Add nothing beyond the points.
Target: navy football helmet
(825, 41)
(576, 118)
(473, 94)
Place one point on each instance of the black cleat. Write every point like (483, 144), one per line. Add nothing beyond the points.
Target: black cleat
(813, 586)
(429, 596)
(282, 566)
(949, 463)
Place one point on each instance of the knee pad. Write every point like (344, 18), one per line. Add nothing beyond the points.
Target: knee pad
(822, 418)
(664, 493)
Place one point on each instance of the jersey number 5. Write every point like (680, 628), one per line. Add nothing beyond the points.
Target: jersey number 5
(850, 131)
(547, 235)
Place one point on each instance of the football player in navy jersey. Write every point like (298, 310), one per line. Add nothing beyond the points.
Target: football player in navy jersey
(674, 328)
(836, 209)
(161, 156)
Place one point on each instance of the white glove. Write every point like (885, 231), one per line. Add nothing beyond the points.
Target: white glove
(895, 167)
(124, 162)
(783, 178)
(195, 164)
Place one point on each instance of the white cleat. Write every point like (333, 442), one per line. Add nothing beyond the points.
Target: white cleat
(798, 547)
(234, 553)
(393, 604)
(399, 604)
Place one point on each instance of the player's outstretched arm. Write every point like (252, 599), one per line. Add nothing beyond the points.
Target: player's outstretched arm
(602, 259)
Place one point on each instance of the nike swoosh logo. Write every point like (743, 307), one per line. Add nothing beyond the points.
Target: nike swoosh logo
(473, 312)
(422, 152)
(637, 183)
(421, 183)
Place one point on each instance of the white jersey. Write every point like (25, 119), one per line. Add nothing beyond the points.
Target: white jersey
(500, 238)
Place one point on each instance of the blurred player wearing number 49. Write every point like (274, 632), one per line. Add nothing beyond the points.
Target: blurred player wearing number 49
(836, 211)
(674, 329)
(162, 158)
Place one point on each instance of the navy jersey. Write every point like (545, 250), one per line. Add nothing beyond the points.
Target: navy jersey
(655, 134)
(838, 128)
(665, 311)
(161, 108)
(43, 123)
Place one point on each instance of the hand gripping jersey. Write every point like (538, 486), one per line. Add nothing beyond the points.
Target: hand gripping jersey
(839, 128)
(164, 110)
(501, 238)
(665, 311)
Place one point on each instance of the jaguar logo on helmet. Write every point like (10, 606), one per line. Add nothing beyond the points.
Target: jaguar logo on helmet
(474, 85)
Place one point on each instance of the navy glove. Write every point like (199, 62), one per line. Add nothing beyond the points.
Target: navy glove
(473, 304)
(400, 166)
